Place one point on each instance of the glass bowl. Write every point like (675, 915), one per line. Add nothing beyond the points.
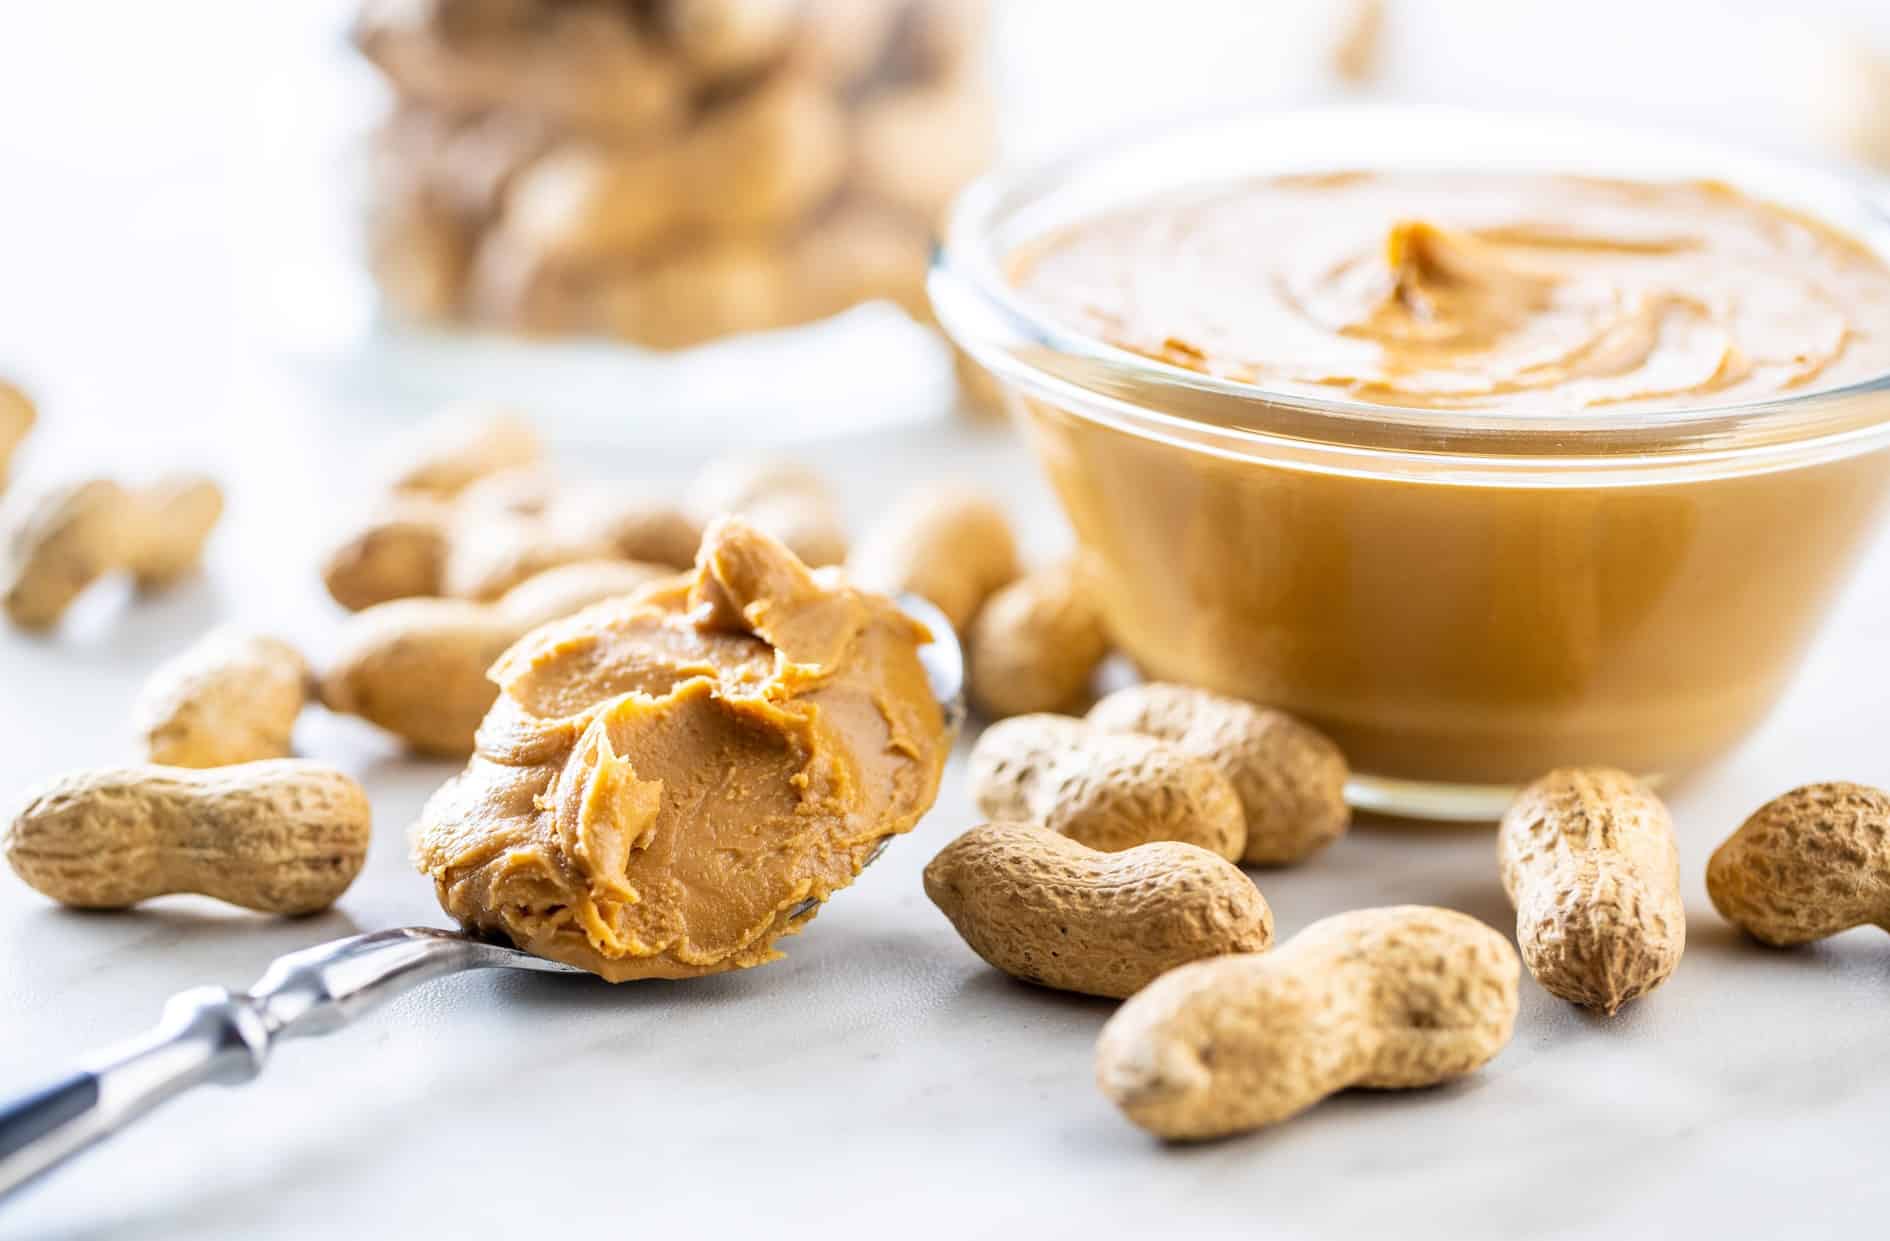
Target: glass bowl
(1462, 599)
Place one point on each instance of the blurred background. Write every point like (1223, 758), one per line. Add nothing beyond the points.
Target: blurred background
(198, 200)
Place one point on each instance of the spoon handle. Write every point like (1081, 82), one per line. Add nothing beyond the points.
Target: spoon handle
(205, 1034)
(209, 1034)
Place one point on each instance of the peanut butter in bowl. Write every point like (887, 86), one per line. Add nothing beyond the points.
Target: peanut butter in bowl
(1524, 293)
(1487, 446)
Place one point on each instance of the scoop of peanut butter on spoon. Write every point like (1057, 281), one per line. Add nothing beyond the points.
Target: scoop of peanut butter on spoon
(672, 782)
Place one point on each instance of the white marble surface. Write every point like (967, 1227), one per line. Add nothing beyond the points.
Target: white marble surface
(881, 1079)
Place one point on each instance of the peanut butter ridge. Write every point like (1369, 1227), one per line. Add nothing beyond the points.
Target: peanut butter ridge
(1525, 293)
(667, 780)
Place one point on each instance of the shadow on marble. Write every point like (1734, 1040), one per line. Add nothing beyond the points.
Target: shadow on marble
(1708, 933)
(852, 934)
(854, 950)
(109, 953)
(112, 951)
(178, 919)
(408, 772)
(1547, 1015)
(1482, 899)
(1861, 946)
(1357, 1108)
(212, 1207)
(114, 620)
(1369, 823)
(352, 743)
(988, 985)
(569, 993)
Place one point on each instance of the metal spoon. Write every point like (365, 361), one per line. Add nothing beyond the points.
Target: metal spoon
(209, 1034)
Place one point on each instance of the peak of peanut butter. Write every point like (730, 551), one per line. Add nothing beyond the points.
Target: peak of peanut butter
(747, 582)
(739, 567)
(1425, 257)
(671, 782)
(1446, 282)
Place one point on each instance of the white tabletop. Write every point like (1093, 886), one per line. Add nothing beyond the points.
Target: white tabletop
(881, 1078)
(881, 1075)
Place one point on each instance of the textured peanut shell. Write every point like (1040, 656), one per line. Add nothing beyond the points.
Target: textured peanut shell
(949, 544)
(723, 39)
(1043, 908)
(635, 526)
(168, 524)
(1387, 998)
(17, 416)
(845, 40)
(1357, 55)
(763, 159)
(502, 529)
(1109, 791)
(1035, 644)
(281, 836)
(784, 498)
(417, 667)
(582, 67)
(1806, 865)
(520, 490)
(731, 484)
(1589, 861)
(400, 553)
(812, 529)
(695, 293)
(1290, 777)
(945, 42)
(489, 555)
(57, 544)
(230, 698)
(418, 248)
(464, 461)
(458, 447)
(561, 591)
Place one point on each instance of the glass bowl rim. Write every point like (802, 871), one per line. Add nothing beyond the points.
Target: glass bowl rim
(1023, 348)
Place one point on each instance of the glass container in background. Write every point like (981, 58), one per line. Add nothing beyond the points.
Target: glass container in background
(667, 172)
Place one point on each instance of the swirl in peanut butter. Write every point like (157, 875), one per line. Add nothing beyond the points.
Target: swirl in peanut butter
(1525, 294)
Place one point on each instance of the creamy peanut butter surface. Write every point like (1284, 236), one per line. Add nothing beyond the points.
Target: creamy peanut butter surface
(671, 782)
(1524, 293)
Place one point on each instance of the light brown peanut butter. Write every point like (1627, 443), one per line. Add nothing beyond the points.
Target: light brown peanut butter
(1524, 294)
(668, 781)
